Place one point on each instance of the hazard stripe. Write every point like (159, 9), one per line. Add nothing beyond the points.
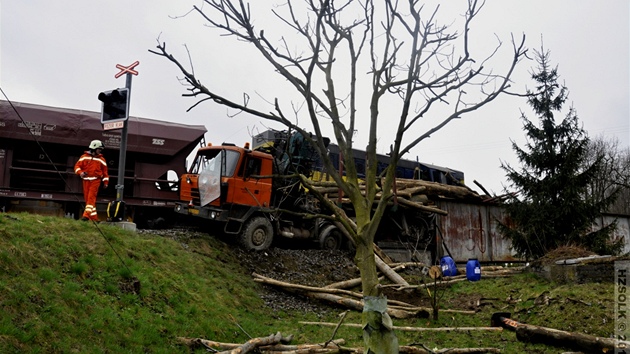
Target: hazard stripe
(99, 159)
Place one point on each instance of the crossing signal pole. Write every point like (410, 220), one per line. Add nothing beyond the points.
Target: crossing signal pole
(115, 105)
(114, 115)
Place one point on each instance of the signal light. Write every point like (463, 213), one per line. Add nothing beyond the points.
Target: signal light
(115, 105)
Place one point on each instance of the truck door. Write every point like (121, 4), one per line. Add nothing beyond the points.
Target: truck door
(250, 188)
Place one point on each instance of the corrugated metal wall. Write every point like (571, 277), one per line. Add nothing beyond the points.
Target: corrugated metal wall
(470, 230)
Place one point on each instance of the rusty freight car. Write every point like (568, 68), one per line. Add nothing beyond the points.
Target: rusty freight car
(39, 146)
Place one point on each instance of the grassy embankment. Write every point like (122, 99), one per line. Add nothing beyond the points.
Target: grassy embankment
(68, 286)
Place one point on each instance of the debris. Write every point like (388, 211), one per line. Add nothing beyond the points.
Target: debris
(267, 348)
(410, 193)
(410, 329)
(332, 347)
(556, 337)
(329, 295)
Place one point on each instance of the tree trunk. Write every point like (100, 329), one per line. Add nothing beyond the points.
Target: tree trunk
(378, 332)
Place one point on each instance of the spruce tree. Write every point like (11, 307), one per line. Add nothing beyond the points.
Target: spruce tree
(552, 206)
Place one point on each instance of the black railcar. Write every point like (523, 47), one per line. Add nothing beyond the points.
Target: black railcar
(39, 146)
(407, 169)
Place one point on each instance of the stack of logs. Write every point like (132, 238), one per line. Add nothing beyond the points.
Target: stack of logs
(409, 192)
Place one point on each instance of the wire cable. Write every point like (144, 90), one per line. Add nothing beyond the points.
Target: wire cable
(41, 147)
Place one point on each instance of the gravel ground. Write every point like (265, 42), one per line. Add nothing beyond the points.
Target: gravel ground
(311, 267)
(304, 267)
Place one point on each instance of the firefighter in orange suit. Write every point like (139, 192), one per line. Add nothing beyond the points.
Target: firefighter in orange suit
(92, 168)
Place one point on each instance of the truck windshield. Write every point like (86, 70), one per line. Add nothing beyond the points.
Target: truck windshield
(214, 164)
(218, 162)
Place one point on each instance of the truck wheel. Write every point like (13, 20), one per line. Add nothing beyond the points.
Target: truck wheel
(257, 235)
(330, 238)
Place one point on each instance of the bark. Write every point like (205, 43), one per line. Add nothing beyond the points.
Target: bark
(422, 207)
(358, 306)
(389, 273)
(378, 252)
(409, 264)
(415, 194)
(283, 348)
(422, 286)
(303, 288)
(255, 343)
(411, 329)
(558, 338)
(366, 261)
(331, 295)
(412, 308)
(407, 188)
(378, 334)
(415, 350)
(439, 189)
(347, 284)
(334, 347)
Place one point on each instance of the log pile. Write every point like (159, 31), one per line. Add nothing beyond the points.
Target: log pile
(409, 193)
(344, 294)
(277, 344)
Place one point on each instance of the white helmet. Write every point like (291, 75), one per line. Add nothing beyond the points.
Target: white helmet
(96, 144)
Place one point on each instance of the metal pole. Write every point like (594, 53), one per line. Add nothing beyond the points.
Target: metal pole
(123, 149)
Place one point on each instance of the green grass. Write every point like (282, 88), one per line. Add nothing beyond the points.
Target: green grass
(67, 286)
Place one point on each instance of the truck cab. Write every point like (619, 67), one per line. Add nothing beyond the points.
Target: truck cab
(254, 195)
(226, 181)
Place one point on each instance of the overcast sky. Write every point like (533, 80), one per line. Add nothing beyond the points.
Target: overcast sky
(62, 53)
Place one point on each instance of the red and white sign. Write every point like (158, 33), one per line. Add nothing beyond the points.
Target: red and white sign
(127, 69)
(114, 125)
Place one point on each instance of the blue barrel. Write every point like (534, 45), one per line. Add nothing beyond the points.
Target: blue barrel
(473, 269)
(448, 266)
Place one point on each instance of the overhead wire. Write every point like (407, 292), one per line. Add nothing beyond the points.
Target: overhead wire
(73, 193)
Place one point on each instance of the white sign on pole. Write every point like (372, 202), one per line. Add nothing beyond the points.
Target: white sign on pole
(113, 125)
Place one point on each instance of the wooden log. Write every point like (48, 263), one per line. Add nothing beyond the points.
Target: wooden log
(304, 288)
(411, 192)
(511, 270)
(407, 188)
(395, 305)
(351, 283)
(324, 184)
(401, 349)
(310, 350)
(327, 190)
(564, 339)
(334, 347)
(348, 284)
(389, 273)
(415, 350)
(439, 189)
(421, 207)
(409, 264)
(412, 308)
(221, 346)
(255, 343)
(378, 253)
(422, 286)
(358, 306)
(410, 329)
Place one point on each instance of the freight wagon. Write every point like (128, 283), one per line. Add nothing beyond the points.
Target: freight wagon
(39, 146)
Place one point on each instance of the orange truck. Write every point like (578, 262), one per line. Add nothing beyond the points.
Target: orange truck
(250, 194)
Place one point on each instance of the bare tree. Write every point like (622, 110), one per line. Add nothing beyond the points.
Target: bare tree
(406, 58)
(614, 178)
